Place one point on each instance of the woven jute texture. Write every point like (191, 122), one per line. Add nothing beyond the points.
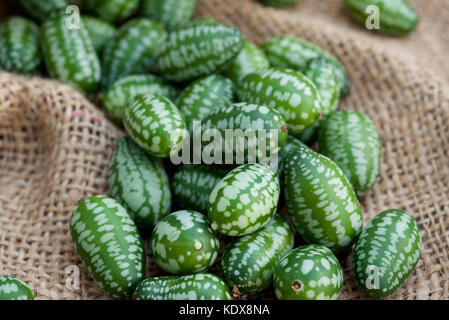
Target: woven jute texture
(55, 145)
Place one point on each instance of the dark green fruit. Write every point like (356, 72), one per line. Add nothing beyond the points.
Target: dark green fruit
(201, 286)
(279, 3)
(113, 11)
(172, 13)
(139, 182)
(320, 200)
(109, 245)
(39, 10)
(100, 32)
(14, 289)
(19, 46)
(386, 253)
(310, 272)
(248, 262)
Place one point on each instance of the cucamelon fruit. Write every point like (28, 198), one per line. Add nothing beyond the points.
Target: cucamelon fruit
(39, 10)
(386, 253)
(155, 124)
(198, 49)
(296, 53)
(291, 145)
(245, 200)
(69, 54)
(201, 286)
(203, 96)
(183, 242)
(109, 245)
(192, 185)
(113, 11)
(279, 3)
(172, 13)
(100, 32)
(287, 91)
(139, 182)
(132, 50)
(350, 139)
(14, 289)
(19, 46)
(116, 98)
(248, 262)
(322, 74)
(320, 200)
(257, 133)
(395, 18)
(250, 59)
(310, 272)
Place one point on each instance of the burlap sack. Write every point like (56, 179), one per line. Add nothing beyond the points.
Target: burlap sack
(55, 145)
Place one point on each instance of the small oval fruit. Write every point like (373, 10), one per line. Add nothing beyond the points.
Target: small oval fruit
(250, 59)
(139, 182)
(14, 289)
(395, 18)
(320, 200)
(172, 13)
(183, 242)
(39, 10)
(201, 286)
(248, 132)
(69, 54)
(295, 53)
(291, 145)
(203, 96)
(19, 46)
(192, 185)
(113, 11)
(132, 50)
(322, 74)
(155, 124)
(248, 262)
(109, 245)
(245, 200)
(100, 31)
(310, 272)
(116, 98)
(198, 49)
(279, 3)
(287, 91)
(350, 139)
(388, 248)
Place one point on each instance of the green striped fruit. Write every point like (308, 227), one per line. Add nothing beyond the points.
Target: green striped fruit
(288, 91)
(264, 128)
(39, 10)
(320, 200)
(322, 74)
(113, 11)
(248, 262)
(203, 96)
(245, 200)
(19, 46)
(198, 49)
(250, 59)
(201, 286)
(295, 53)
(310, 135)
(132, 50)
(291, 145)
(279, 3)
(69, 54)
(310, 272)
(14, 289)
(116, 98)
(109, 245)
(172, 13)
(183, 242)
(155, 124)
(395, 18)
(192, 185)
(386, 253)
(350, 139)
(100, 32)
(140, 183)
